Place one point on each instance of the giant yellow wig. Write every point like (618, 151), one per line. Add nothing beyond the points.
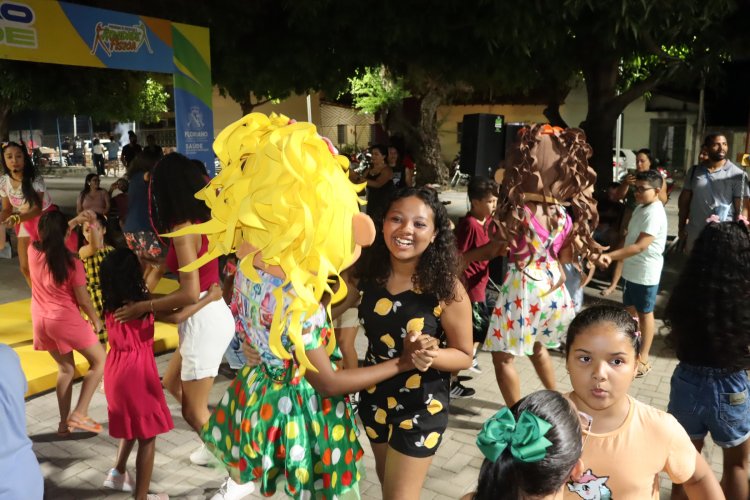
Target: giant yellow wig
(283, 191)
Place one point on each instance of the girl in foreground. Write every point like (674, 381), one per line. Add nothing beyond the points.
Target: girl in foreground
(710, 332)
(58, 291)
(286, 419)
(531, 450)
(409, 281)
(629, 443)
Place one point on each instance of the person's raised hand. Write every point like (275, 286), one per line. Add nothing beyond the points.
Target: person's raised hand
(252, 356)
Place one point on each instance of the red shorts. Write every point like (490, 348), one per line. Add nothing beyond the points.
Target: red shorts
(63, 336)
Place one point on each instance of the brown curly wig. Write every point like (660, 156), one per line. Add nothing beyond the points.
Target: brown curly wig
(553, 163)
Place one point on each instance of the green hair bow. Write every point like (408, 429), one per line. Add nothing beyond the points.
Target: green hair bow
(525, 437)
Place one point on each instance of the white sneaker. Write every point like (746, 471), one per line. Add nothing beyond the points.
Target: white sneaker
(202, 456)
(5, 253)
(233, 491)
(119, 482)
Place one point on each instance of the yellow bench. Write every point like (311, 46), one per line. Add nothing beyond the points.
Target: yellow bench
(38, 366)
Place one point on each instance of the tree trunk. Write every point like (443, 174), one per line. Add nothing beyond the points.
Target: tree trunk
(599, 132)
(603, 110)
(552, 113)
(5, 112)
(430, 166)
(247, 107)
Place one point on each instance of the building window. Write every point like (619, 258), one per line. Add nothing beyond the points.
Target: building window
(341, 134)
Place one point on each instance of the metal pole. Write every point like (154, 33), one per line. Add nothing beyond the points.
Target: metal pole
(75, 127)
(59, 142)
(618, 140)
(699, 125)
(309, 109)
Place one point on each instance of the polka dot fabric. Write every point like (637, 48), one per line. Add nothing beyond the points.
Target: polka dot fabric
(272, 425)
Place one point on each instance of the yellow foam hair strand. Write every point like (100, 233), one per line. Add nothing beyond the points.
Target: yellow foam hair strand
(282, 191)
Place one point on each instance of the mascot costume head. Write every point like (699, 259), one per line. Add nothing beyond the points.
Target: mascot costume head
(284, 200)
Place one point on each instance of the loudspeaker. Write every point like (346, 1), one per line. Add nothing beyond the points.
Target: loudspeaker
(482, 143)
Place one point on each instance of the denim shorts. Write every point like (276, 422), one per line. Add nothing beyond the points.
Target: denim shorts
(642, 297)
(711, 400)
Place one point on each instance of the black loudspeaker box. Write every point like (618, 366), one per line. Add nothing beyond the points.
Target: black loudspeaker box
(482, 143)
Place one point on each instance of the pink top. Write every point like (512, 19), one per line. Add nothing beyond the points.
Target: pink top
(48, 299)
(519, 250)
(96, 201)
(207, 273)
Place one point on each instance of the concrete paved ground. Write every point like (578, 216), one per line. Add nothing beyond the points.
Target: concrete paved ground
(75, 468)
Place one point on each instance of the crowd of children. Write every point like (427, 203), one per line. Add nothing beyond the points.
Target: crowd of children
(419, 294)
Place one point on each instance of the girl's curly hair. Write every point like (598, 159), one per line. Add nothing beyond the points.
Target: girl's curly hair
(437, 270)
(707, 312)
(574, 180)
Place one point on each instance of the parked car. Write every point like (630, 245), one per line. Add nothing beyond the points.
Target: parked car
(621, 166)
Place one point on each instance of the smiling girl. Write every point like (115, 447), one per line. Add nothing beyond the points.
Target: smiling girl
(24, 198)
(409, 283)
(629, 443)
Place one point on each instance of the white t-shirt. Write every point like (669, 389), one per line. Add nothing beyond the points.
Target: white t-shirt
(645, 267)
(16, 197)
(97, 149)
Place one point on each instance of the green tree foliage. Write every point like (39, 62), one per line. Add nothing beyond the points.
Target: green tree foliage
(454, 49)
(627, 48)
(102, 94)
(152, 101)
(373, 90)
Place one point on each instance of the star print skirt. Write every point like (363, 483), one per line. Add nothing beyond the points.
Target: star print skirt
(533, 306)
(271, 427)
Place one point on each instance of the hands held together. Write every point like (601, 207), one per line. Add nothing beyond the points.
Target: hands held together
(420, 350)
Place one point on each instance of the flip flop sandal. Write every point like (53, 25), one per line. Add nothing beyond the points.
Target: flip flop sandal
(643, 369)
(84, 424)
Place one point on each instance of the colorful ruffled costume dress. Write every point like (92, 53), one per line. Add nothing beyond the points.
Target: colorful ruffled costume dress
(533, 305)
(271, 423)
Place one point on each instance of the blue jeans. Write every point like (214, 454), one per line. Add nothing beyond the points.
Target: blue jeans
(711, 400)
(234, 355)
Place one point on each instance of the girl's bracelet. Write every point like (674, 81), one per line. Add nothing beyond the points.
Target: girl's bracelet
(151, 303)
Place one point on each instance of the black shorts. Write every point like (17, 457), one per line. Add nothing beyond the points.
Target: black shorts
(409, 418)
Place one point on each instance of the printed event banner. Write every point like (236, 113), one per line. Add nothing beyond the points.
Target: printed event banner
(194, 121)
(53, 32)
